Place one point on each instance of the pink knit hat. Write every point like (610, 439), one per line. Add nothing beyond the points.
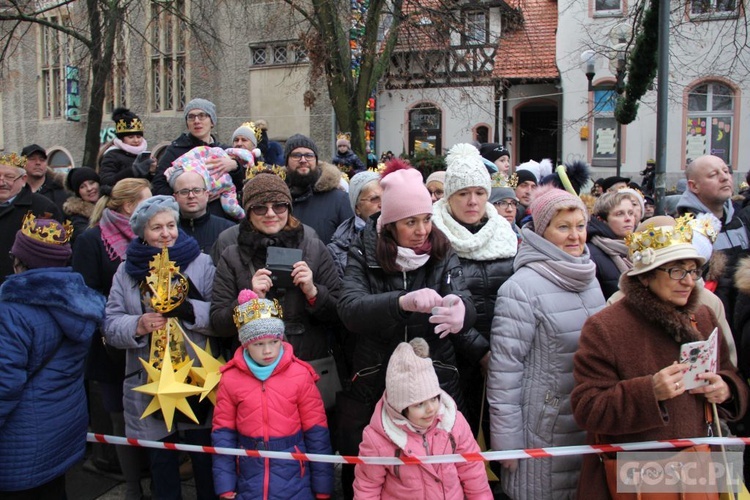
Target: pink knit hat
(549, 201)
(410, 378)
(404, 196)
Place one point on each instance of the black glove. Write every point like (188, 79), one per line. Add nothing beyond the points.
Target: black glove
(184, 312)
(142, 168)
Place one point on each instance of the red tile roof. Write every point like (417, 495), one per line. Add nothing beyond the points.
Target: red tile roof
(530, 50)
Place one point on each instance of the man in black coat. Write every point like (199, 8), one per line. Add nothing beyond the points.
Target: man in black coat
(16, 199)
(40, 178)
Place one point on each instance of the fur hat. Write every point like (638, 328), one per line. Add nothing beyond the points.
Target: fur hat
(661, 240)
(257, 319)
(358, 182)
(550, 200)
(299, 141)
(492, 151)
(150, 207)
(404, 195)
(410, 378)
(265, 187)
(126, 123)
(77, 176)
(36, 246)
(203, 105)
(344, 142)
(465, 168)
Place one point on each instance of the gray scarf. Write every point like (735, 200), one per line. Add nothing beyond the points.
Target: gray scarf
(616, 250)
(570, 273)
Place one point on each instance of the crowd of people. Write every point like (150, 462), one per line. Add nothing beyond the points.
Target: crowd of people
(481, 306)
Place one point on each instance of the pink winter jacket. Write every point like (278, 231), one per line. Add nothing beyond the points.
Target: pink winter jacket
(385, 437)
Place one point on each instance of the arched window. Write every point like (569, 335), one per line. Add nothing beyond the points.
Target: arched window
(425, 122)
(709, 121)
(59, 159)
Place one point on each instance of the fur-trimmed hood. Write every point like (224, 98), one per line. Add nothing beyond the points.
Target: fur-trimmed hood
(330, 177)
(675, 321)
(717, 264)
(76, 206)
(57, 178)
(397, 430)
(742, 276)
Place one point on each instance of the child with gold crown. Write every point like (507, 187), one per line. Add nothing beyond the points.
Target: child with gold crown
(268, 400)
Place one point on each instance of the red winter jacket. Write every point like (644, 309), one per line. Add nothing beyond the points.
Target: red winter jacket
(283, 413)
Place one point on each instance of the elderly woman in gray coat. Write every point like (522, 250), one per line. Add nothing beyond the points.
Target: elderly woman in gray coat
(538, 317)
(129, 325)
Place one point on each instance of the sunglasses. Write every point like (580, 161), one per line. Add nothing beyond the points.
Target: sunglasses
(278, 208)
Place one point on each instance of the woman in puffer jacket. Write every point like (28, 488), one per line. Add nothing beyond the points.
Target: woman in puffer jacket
(402, 281)
(539, 314)
(485, 244)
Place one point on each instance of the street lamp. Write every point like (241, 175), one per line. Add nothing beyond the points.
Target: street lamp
(588, 60)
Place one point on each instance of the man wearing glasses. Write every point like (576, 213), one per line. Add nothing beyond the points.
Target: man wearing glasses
(192, 197)
(200, 119)
(316, 199)
(16, 199)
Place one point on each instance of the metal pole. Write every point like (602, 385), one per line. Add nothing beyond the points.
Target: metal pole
(662, 95)
(618, 152)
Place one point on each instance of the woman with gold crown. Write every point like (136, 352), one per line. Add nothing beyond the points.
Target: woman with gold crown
(628, 369)
(149, 292)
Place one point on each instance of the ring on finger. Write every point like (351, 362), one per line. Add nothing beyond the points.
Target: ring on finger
(676, 386)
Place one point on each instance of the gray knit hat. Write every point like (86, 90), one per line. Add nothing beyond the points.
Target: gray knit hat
(257, 319)
(465, 169)
(245, 131)
(358, 182)
(203, 105)
(150, 207)
(299, 141)
(502, 193)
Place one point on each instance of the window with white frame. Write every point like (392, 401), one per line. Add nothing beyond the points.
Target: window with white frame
(475, 32)
(168, 72)
(277, 54)
(709, 121)
(55, 52)
(605, 128)
(713, 7)
(607, 6)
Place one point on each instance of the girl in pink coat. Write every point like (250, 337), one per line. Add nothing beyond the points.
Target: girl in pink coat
(416, 418)
(268, 400)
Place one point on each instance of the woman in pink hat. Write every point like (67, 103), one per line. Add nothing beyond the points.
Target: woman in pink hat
(402, 281)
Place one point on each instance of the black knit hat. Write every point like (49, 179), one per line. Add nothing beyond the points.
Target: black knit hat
(78, 176)
(524, 175)
(126, 123)
(299, 141)
(492, 151)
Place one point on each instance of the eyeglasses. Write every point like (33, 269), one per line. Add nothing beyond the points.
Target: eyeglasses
(10, 178)
(374, 199)
(200, 116)
(506, 203)
(187, 192)
(299, 156)
(678, 273)
(278, 208)
(437, 192)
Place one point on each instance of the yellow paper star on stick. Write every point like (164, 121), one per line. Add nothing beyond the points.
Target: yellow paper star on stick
(209, 373)
(169, 391)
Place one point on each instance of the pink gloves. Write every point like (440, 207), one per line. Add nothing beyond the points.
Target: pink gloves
(449, 316)
(422, 300)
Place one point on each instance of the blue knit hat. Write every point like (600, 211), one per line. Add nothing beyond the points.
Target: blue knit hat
(150, 207)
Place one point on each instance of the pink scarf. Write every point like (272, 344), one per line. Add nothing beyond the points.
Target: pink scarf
(130, 149)
(116, 233)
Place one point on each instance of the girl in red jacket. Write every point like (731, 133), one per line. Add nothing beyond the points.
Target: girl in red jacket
(416, 418)
(268, 400)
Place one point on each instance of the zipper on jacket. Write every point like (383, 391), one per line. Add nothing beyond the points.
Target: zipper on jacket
(406, 329)
(266, 461)
(551, 399)
(426, 444)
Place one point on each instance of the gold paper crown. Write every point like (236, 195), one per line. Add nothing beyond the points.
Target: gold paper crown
(660, 237)
(54, 233)
(13, 159)
(256, 309)
(256, 130)
(262, 167)
(344, 135)
(501, 181)
(134, 126)
(169, 288)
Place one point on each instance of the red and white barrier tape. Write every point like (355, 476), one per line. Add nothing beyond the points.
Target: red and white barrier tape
(559, 451)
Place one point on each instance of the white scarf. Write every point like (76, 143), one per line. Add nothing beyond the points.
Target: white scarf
(496, 240)
(408, 260)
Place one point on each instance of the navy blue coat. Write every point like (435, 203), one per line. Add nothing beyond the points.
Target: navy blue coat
(43, 412)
